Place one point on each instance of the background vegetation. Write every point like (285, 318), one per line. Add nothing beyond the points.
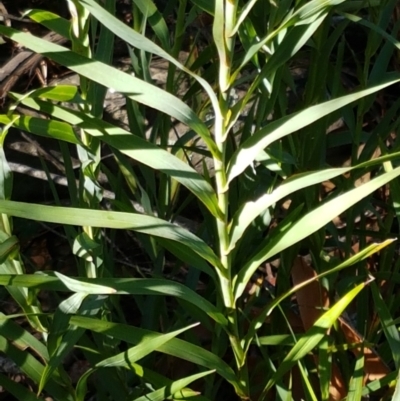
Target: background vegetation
(252, 195)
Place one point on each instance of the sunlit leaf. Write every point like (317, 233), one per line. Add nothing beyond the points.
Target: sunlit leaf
(248, 151)
(107, 219)
(310, 223)
(313, 336)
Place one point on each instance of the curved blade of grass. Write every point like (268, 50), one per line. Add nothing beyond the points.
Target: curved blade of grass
(76, 286)
(135, 39)
(159, 381)
(175, 387)
(139, 286)
(308, 224)
(62, 337)
(134, 147)
(358, 257)
(389, 328)
(42, 127)
(304, 15)
(396, 395)
(51, 21)
(379, 384)
(148, 343)
(106, 219)
(249, 150)
(19, 391)
(153, 16)
(175, 347)
(313, 336)
(250, 210)
(207, 5)
(186, 254)
(34, 369)
(8, 247)
(21, 337)
(117, 80)
(362, 21)
(356, 382)
(141, 42)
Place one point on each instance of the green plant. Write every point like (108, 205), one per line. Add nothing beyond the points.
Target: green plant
(264, 152)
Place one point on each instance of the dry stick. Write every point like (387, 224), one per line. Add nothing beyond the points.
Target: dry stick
(23, 63)
(4, 15)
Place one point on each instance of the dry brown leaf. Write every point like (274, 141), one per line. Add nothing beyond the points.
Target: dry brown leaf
(312, 300)
(374, 367)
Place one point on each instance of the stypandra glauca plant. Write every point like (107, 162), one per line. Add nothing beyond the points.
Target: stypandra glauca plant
(260, 134)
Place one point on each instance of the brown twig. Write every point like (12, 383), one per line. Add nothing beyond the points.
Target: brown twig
(23, 63)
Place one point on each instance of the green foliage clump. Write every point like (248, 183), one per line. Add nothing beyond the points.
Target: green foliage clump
(220, 171)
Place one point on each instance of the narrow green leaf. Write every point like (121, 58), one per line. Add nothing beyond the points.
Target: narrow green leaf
(313, 336)
(158, 381)
(267, 310)
(56, 344)
(248, 151)
(379, 384)
(175, 347)
(396, 395)
(389, 328)
(175, 387)
(51, 21)
(324, 368)
(63, 336)
(34, 369)
(356, 382)
(206, 5)
(308, 224)
(21, 337)
(370, 25)
(139, 41)
(18, 390)
(304, 15)
(187, 255)
(8, 247)
(106, 219)
(134, 147)
(121, 286)
(250, 210)
(148, 344)
(59, 93)
(117, 80)
(42, 127)
(83, 289)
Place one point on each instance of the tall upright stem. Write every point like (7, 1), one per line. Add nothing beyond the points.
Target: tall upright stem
(225, 14)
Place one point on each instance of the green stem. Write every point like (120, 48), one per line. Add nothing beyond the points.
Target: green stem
(226, 17)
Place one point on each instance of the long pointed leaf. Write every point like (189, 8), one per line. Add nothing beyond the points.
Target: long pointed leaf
(313, 336)
(175, 347)
(175, 387)
(278, 129)
(250, 210)
(121, 286)
(131, 145)
(117, 80)
(106, 219)
(308, 224)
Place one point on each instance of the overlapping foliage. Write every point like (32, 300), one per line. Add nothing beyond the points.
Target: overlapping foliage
(261, 133)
